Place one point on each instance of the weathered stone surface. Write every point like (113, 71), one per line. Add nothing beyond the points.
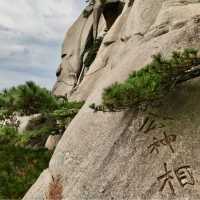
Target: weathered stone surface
(73, 48)
(40, 189)
(52, 142)
(98, 11)
(24, 121)
(112, 155)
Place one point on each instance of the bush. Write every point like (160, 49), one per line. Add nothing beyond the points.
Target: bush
(64, 114)
(8, 135)
(152, 82)
(23, 156)
(19, 166)
(27, 99)
(47, 124)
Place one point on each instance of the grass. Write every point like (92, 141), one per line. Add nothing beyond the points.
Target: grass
(152, 82)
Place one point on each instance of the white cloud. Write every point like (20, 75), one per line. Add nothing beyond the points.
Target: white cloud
(35, 17)
(31, 34)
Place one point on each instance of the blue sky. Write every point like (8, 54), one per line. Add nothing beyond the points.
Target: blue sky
(31, 35)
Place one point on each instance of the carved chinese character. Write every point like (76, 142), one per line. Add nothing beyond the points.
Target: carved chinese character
(154, 146)
(147, 125)
(167, 177)
(184, 175)
(167, 140)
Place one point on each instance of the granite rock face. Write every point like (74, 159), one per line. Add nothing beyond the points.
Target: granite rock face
(52, 141)
(130, 155)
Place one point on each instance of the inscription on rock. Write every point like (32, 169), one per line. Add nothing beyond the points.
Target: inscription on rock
(167, 140)
(183, 175)
(148, 124)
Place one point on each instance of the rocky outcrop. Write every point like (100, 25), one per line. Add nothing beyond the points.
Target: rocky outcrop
(131, 155)
(52, 141)
(76, 41)
(25, 121)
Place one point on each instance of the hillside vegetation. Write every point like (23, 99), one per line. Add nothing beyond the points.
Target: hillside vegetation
(152, 82)
(23, 156)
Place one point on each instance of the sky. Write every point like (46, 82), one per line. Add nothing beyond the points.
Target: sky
(31, 36)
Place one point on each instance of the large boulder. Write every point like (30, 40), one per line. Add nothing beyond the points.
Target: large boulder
(130, 154)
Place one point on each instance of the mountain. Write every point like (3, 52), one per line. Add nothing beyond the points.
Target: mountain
(129, 154)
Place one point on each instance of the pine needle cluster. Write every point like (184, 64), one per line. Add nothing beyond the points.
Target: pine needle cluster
(27, 99)
(152, 82)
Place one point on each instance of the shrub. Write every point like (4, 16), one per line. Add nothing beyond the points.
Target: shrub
(54, 116)
(64, 114)
(27, 99)
(49, 123)
(152, 82)
(19, 166)
(23, 155)
(8, 135)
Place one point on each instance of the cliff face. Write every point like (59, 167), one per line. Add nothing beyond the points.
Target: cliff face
(128, 155)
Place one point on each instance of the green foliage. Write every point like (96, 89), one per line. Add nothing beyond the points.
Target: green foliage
(36, 137)
(65, 113)
(19, 169)
(67, 109)
(19, 166)
(49, 123)
(152, 82)
(8, 135)
(22, 155)
(27, 99)
(92, 52)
